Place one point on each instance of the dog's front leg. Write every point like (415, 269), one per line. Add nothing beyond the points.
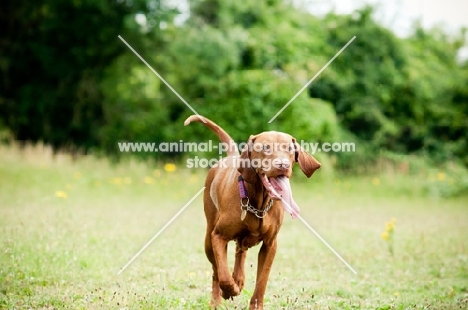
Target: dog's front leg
(239, 274)
(265, 261)
(226, 282)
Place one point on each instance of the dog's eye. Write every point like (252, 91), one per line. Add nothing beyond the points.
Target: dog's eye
(266, 148)
(291, 148)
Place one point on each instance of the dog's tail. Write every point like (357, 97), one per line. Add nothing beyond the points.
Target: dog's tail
(228, 144)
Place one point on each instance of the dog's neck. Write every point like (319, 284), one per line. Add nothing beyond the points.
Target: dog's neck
(258, 195)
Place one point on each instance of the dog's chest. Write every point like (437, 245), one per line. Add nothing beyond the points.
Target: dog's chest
(258, 230)
(249, 241)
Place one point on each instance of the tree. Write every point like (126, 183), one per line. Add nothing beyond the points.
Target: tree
(53, 56)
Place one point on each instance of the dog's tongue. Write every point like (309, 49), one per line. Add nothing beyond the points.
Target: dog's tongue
(279, 188)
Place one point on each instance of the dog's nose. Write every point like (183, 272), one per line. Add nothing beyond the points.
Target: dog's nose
(282, 163)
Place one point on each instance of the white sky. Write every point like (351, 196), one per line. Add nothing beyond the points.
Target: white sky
(399, 14)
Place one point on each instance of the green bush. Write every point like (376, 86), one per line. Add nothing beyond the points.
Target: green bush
(238, 64)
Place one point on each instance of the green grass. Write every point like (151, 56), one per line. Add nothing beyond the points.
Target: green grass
(58, 252)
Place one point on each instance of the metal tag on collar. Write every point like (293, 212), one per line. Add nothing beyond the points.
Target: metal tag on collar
(243, 214)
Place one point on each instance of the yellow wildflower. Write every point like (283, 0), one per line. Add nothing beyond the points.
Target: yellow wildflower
(148, 180)
(375, 181)
(440, 176)
(169, 167)
(77, 175)
(116, 180)
(61, 194)
(384, 235)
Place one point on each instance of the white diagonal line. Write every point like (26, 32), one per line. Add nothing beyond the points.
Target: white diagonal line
(312, 79)
(160, 231)
(320, 237)
(326, 243)
(162, 79)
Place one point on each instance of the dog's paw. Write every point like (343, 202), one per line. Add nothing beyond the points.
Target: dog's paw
(240, 284)
(216, 300)
(216, 303)
(229, 289)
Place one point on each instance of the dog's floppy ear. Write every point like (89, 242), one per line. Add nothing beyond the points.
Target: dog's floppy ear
(307, 162)
(244, 166)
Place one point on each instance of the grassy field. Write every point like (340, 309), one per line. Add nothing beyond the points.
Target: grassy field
(68, 226)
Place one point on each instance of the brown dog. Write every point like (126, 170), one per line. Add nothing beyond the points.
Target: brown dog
(252, 211)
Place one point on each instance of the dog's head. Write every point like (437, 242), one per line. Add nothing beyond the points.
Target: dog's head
(270, 156)
(273, 154)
